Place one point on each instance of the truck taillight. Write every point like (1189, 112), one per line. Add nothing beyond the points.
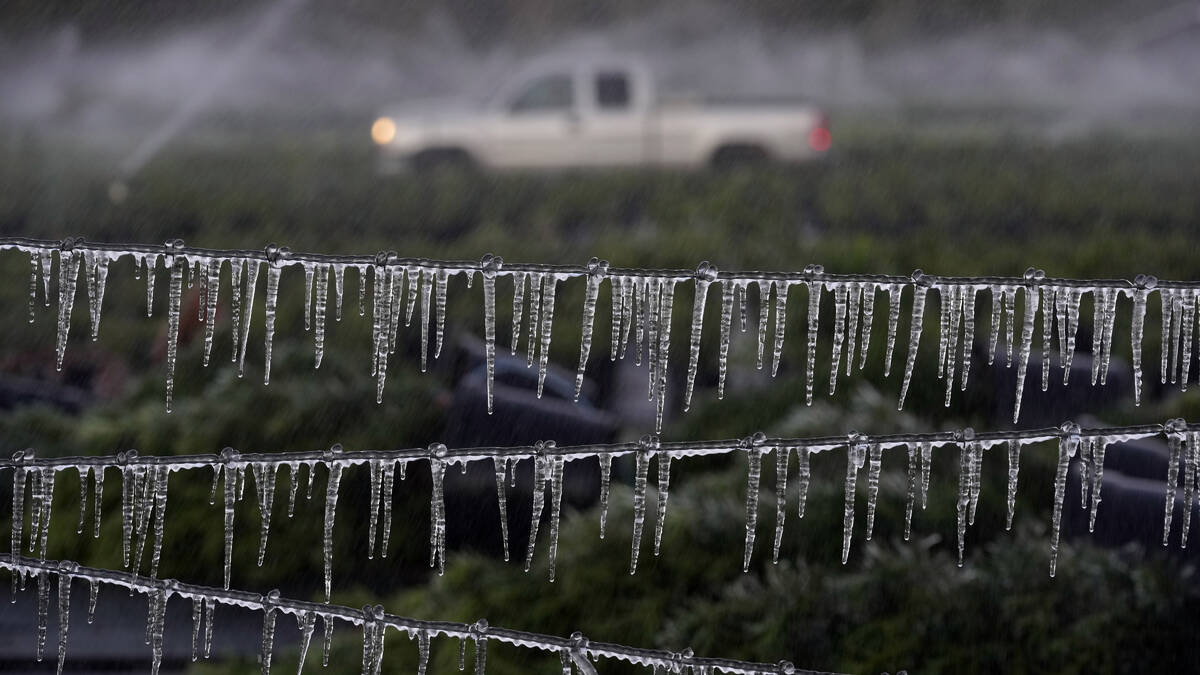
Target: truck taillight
(820, 139)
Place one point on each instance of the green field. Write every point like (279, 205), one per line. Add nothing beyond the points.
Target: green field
(1102, 206)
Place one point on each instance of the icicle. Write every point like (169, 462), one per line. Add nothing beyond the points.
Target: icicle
(876, 457)
(18, 510)
(319, 318)
(441, 281)
(920, 288)
(47, 495)
(35, 267)
(664, 486)
(422, 652)
(69, 262)
(462, 654)
(727, 288)
(210, 606)
(307, 622)
(501, 468)
(605, 460)
(489, 266)
(437, 507)
(35, 503)
(548, 288)
(1187, 315)
(1014, 466)
(1167, 296)
(380, 305)
(426, 291)
(993, 338)
(98, 489)
(229, 459)
(1010, 323)
(93, 595)
(1174, 430)
(274, 257)
(966, 450)
(43, 610)
(1176, 329)
(518, 308)
(764, 311)
(803, 473)
(248, 311)
(83, 496)
(47, 262)
(267, 643)
(264, 484)
(327, 622)
(479, 633)
(781, 293)
(640, 312)
(1032, 278)
(895, 294)
(926, 460)
(951, 318)
(666, 304)
(539, 497)
(197, 608)
(556, 490)
(627, 318)
(852, 329)
(389, 471)
(1100, 446)
(1071, 320)
(841, 293)
(948, 301)
(64, 610)
(706, 273)
(868, 320)
(1110, 313)
(596, 271)
(781, 467)
(212, 290)
(1068, 443)
(968, 344)
(856, 456)
(173, 308)
(160, 513)
(334, 467)
(616, 287)
(649, 445)
(339, 283)
(236, 267)
(149, 262)
(1085, 471)
(976, 475)
(911, 494)
(753, 447)
(1191, 464)
(1048, 302)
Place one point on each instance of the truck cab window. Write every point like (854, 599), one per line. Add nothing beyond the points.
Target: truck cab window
(552, 92)
(612, 91)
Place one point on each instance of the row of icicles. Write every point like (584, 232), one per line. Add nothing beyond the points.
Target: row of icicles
(574, 653)
(642, 307)
(144, 488)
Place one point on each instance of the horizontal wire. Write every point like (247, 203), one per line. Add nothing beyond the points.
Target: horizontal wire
(649, 443)
(283, 256)
(479, 630)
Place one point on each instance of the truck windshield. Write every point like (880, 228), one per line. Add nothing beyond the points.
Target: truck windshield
(551, 92)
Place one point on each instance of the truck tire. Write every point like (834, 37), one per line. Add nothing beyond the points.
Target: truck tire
(441, 160)
(739, 155)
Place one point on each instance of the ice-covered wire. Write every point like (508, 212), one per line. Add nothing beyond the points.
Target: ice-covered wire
(642, 302)
(577, 648)
(144, 481)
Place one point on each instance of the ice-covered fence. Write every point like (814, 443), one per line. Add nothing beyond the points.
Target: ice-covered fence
(144, 483)
(642, 305)
(575, 652)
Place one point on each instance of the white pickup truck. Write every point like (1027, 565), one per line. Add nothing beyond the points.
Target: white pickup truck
(601, 112)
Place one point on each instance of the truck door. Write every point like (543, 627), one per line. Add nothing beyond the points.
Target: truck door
(614, 124)
(540, 126)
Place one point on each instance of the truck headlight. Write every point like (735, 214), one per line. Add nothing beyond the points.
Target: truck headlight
(383, 130)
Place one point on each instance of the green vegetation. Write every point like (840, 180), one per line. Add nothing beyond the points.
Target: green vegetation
(1103, 207)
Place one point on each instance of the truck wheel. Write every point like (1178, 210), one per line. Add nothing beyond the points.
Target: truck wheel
(741, 155)
(445, 160)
